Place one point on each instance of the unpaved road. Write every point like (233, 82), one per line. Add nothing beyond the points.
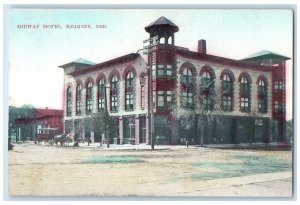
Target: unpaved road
(175, 171)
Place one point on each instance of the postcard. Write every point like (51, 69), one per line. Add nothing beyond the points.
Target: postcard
(150, 102)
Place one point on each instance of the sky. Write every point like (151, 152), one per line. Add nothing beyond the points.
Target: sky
(35, 54)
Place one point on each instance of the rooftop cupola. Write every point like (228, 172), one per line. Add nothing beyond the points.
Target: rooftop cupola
(164, 29)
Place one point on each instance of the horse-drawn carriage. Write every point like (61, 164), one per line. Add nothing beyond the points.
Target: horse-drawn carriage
(47, 135)
(53, 136)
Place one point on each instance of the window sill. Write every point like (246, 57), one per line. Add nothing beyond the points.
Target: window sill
(227, 110)
(128, 110)
(245, 111)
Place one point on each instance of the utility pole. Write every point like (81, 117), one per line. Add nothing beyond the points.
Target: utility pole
(148, 50)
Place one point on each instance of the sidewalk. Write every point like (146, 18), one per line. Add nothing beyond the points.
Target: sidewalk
(263, 146)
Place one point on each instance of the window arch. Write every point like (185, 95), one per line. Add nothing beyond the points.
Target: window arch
(114, 95)
(89, 97)
(206, 75)
(78, 99)
(129, 79)
(129, 91)
(101, 95)
(114, 82)
(69, 101)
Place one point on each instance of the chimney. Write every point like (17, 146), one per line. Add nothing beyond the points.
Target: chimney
(202, 46)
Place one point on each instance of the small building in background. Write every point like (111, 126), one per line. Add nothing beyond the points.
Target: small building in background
(26, 127)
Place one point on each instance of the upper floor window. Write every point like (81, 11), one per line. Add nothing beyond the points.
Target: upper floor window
(142, 97)
(164, 70)
(187, 76)
(101, 104)
(206, 75)
(245, 105)
(129, 79)
(207, 103)
(164, 99)
(278, 85)
(69, 101)
(101, 93)
(279, 107)
(207, 82)
(227, 85)
(78, 99)
(187, 99)
(114, 103)
(114, 98)
(262, 96)
(227, 103)
(114, 82)
(101, 85)
(261, 86)
(89, 98)
(129, 91)
(244, 87)
(160, 99)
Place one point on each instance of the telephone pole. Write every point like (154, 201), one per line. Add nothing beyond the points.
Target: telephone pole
(149, 50)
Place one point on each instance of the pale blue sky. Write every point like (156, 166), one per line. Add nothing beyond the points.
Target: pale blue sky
(34, 54)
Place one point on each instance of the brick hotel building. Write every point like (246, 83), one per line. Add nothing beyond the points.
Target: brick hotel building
(249, 94)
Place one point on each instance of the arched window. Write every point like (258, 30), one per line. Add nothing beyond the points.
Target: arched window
(101, 95)
(227, 93)
(187, 76)
(162, 40)
(187, 88)
(114, 95)
(129, 79)
(245, 96)
(187, 99)
(114, 82)
(129, 89)
(262, 96)
(69, 101)
(89, 98)
(207, 91)
(78, 99)
(244, 80)
(206, 75)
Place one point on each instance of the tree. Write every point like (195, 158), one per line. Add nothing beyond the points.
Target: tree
(290, 130)
(105, 124)
(198, 106)
(19, 112)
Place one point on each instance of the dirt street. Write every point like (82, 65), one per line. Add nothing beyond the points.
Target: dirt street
(137, 171)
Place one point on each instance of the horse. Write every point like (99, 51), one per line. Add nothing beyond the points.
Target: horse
(60, 139)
